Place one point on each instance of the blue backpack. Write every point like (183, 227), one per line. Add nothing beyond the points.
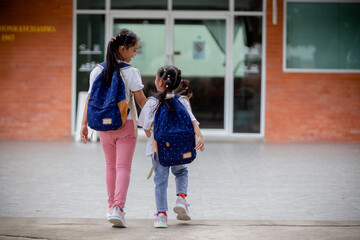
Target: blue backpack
(174, 134)
(107, 107)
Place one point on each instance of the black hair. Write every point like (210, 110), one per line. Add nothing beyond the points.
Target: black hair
(171, 76)
(184, 88)
(125, 38)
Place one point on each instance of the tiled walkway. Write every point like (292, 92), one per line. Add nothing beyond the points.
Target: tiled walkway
(242, 180)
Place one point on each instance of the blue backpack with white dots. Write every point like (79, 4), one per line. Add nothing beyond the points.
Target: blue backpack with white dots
(174, 133)
(107, 107)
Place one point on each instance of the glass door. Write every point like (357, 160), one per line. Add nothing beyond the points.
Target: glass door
(218, 45)
(196, 46)
(247, 63)
(151, 54)
(200, 53)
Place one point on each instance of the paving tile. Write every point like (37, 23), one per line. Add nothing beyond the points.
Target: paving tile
(238, 180)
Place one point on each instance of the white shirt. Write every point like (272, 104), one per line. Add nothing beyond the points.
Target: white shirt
(132, 83)
(147, 116)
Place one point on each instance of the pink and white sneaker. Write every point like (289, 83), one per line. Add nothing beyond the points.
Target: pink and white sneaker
(182, 209)
(161, 220)
(117, 217)
(109, 212)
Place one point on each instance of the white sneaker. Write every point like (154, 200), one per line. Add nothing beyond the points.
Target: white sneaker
(109, 213)
(161, 221)
(118, 217)
(182, 210)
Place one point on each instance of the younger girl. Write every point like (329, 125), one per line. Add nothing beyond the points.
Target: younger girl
(168, 78)
(119, 145)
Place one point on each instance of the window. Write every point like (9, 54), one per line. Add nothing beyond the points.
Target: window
(200, 5)
(139, 4)
(248, 5)
(247, 74)
(200, 48)
(322, 35)
(91, 4)
(89, 47)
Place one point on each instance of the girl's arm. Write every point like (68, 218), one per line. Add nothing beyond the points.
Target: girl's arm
(148, 133)
(140, 98)
(200, 145)
(84, 129)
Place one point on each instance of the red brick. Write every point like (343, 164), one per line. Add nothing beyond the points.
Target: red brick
(35, 69)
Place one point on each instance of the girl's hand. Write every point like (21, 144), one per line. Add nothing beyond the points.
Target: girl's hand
(84, 133)
(200, 145)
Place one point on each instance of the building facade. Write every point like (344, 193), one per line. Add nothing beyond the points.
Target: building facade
(281, 71)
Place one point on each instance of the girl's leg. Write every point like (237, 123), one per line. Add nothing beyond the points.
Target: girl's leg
(161, 184)
(125, 147)
(109, 146)
(181, 178)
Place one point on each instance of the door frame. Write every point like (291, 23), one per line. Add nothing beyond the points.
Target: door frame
(169, 18)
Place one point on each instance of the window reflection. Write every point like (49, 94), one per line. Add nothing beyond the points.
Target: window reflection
(247, 74)
(323, 35)
(89, 48)
(200, 54)
(151, 54)
(208, 101)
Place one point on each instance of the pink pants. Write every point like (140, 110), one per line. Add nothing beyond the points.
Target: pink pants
(119, 147)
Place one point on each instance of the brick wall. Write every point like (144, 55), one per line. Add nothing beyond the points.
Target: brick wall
(307, 106)
(35, 70)
(35, 82)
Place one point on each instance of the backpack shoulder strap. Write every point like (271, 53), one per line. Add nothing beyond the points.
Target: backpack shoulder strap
(102, 65)
(153, 142)
(153, 97)
(124, 65)
(153, 151)
(183, 97)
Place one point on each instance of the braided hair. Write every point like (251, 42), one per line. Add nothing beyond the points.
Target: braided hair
(184, 87)
(171, 76)
(125, 38)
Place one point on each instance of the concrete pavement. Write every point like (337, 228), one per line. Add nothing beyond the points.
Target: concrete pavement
(85, 228)
(237, 190)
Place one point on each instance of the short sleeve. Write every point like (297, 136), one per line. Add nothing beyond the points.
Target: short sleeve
(186, 104)
(133, 78)
(93, 75)
(147, 114)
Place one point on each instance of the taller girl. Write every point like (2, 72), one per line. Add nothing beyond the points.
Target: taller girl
(119, 145)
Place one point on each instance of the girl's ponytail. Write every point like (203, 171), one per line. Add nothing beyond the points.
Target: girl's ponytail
(125, 38)
(169, 75)
(111, 63)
